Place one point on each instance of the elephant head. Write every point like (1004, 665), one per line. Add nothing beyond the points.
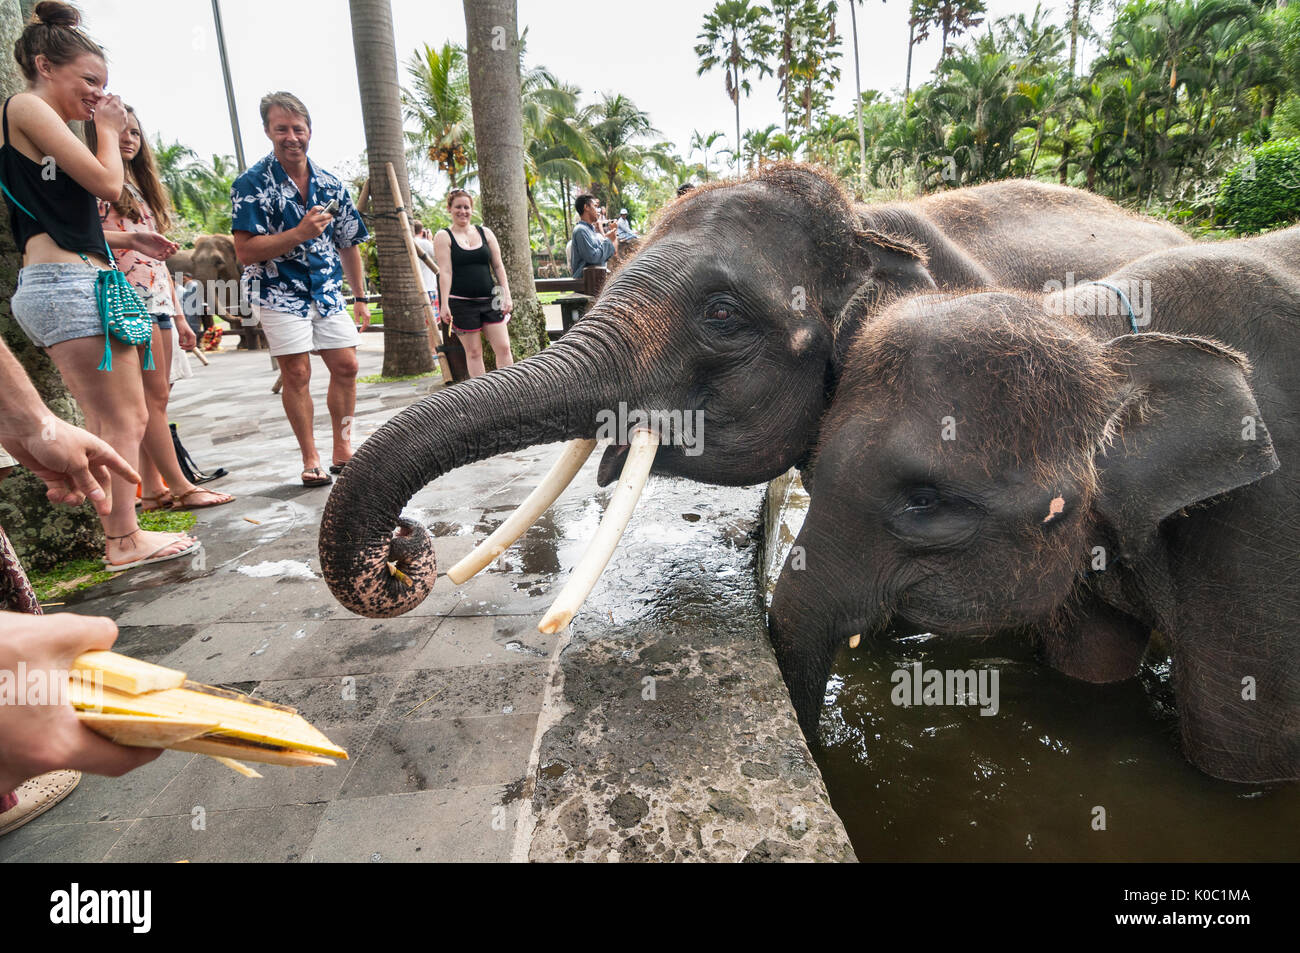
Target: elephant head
(981, 456)
(726, 315)
(214, 264)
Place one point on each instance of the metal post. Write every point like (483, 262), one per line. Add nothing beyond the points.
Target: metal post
(230, 89)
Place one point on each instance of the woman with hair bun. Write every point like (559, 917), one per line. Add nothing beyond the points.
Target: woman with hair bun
(51, 184)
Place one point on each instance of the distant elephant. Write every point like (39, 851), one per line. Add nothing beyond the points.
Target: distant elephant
(181, 263)
(731, 308)
(213, 263)
(987, 451)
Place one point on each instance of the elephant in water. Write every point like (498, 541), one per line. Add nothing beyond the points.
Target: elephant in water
(729, 313)
(986, 451)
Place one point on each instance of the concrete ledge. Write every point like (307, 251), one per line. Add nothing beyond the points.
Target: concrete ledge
(668, 734)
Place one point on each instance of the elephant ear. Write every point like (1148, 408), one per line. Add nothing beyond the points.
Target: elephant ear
(1187, 429)
(883, 266)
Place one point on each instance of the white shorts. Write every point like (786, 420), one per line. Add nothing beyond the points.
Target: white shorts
(294, 334)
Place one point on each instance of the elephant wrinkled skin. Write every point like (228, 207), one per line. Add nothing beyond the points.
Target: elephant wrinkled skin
(987, 451)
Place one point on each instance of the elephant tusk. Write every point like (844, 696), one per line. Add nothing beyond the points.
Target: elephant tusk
(636, 469)
(553, 484)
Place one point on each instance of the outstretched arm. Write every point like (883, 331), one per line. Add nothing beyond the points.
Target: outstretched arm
(73, 464)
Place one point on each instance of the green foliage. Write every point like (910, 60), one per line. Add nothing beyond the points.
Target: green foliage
(65, 578)
(200, 192)
(1262, 191)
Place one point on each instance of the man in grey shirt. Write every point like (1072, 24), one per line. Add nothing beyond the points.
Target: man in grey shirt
(590, 247)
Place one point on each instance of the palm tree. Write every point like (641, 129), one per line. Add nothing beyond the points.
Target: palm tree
(758, 144)
(184, 177)
(614, 125)
(494, 85)
(381, 112)
(857, 91)
(816, 50)
(952, 17)
(737, 37)
(556, 146)
(438, 103)
(703, 143)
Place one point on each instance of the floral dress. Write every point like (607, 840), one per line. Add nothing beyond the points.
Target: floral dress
(148, 276)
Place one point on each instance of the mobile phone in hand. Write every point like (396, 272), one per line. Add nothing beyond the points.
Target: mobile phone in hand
(332, 208)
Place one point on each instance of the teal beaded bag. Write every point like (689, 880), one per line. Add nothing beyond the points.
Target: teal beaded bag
(124, 314)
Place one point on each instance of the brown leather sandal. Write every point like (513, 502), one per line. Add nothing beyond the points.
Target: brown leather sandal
(180, 503)
(36, 796)
(163, 501)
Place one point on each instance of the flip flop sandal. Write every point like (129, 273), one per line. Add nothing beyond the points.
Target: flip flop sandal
(338, 467)
(36, 796)
(153, 557)
(163, 501)
(199, 506)
(321, 479)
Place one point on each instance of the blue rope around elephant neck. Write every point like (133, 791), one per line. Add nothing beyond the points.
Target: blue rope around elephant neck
(1132, 316)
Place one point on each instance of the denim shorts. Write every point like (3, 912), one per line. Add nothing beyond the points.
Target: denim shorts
(163, 321)
(55, 302)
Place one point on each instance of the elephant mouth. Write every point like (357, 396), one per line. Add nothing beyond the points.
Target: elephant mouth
(611, 463)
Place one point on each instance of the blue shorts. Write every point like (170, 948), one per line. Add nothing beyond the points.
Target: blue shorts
(55, 302)
(164, 320)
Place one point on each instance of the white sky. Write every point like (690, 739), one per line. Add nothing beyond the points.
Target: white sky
(163, 60)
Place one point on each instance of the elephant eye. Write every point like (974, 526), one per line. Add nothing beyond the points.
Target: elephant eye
(922, 498)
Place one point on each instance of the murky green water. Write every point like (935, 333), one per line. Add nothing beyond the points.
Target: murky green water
(946, 783)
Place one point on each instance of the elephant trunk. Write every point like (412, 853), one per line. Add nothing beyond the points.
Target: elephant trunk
(379, 564)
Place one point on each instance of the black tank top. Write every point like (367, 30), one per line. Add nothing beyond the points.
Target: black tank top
(62, 207)
(471, 268)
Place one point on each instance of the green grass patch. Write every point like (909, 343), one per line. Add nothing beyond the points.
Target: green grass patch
(411, 378)
(166, 521)
(84, 573)
(70, 577)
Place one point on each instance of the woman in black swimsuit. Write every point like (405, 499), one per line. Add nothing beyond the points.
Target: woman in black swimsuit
(468, 257)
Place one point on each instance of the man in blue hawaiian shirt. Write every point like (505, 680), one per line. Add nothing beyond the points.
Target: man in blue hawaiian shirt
(295, 255)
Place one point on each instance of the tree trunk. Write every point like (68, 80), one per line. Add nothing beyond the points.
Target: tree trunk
(907, 79)
(492, 50)
(735, 98)
(1074, 33)
(857, 88)
(406, 341)
(43, 535)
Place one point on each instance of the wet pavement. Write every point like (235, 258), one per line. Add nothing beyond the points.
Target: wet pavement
(656, 727)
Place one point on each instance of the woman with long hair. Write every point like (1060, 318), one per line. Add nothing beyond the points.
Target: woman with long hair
(144, 206)
(51, 183)
(468, 257)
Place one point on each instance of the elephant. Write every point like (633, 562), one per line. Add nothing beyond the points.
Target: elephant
(212, 261)
(988, 450)
(731, 309)
(181, 263)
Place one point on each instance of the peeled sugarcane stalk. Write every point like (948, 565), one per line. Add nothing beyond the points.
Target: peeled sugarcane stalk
(127, 674)
(143, 705)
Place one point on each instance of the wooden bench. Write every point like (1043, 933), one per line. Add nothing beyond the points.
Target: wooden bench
(575, 305)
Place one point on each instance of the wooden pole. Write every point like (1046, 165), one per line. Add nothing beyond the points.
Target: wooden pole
(430, 318)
